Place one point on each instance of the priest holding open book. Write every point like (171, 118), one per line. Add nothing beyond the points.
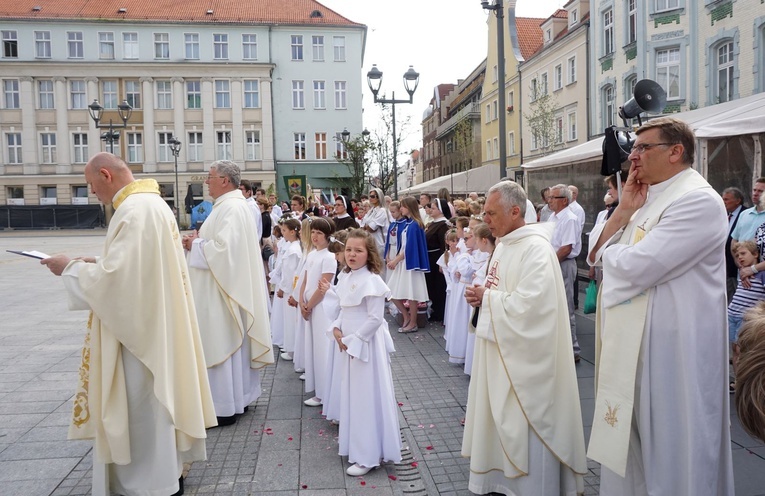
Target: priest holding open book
(143, 393)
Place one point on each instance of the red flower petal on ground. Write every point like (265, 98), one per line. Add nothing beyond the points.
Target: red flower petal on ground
(289, 438)
(278, 464)
(414, 464)
(392, 477)
(363, 483)
(304, 486)
(321, 432)
(429, 448)
(400, 404)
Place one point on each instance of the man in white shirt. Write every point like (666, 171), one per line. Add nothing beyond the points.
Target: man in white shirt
(575, 207)
(245, 187)
(567, 243)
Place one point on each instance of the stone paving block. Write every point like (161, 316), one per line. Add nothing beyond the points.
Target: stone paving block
(285, 407)
(289, 385)
(276, 435)
(321, 471)
(17, 408)
(43, 451)
(748, 462)
(23, 396)
(38, 385)
(277, 471)
(29, 487)
(369, 490)
(318, 435)
(45, 434)
(58, 419)
(740, 437)
(21, 421)
(20, 470)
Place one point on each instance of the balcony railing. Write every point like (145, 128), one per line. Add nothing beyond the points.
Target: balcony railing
(472, 110)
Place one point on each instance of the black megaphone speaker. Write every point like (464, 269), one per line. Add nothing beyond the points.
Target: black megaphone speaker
(649, 96)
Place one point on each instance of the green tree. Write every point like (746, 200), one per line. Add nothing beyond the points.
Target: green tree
(382, 148)
(541, 119)
(356, 159)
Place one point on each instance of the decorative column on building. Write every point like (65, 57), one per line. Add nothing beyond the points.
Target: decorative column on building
(149, 135)
(208, 131)
(94, 134)
(267, 121)
(237, 132)
(179, 122)
(29, 137)
(64, 165)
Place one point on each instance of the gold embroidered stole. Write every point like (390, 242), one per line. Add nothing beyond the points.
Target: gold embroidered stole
(81, 409)
(618, 349)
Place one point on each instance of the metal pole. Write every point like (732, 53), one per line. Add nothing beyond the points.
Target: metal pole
(111, 137)
(395, 150)
(500, 12)
(177, 208)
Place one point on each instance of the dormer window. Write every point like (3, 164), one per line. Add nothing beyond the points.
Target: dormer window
(548, 35)
(573, 17)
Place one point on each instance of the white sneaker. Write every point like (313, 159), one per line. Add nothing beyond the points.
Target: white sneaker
(357, 470)
(286, 356)
(302, 377)
(299, 371)
(312, 402)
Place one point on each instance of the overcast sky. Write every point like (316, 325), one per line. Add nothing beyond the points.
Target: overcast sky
(443, 39)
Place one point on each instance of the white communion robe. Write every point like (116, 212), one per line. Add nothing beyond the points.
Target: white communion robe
(227, 274)
(523, 428)
(680, 435)
(143, 395)
(369, 429)
(335, 359)
(459, 310)
(298, 357)
(288, 272)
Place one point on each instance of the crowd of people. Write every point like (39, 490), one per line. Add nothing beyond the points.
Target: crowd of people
(499, 274)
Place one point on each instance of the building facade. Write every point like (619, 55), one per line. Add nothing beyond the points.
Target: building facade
(226, 83)
(434, 116)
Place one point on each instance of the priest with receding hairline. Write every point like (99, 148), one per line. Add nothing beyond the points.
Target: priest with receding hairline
(143, 394)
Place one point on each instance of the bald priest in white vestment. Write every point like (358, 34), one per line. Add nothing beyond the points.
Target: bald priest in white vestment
(143, 394)
(523, 428)
(226, 271)
(662, 420)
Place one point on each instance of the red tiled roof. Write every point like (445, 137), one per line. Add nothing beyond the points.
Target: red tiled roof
(290, 12)
(560, 14)
(529, 35)
(444, 89)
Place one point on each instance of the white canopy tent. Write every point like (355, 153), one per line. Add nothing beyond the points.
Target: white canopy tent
(479, 180)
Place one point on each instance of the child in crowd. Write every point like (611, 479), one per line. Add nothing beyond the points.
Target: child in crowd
(409, 264)
(331, 304)
(749, 366)
(300, 323)
(462, 224)
(274, 275)
(460, 312)
(446, 265)
(290, 254)
(369, 428)
(320, 264)
(484, 247)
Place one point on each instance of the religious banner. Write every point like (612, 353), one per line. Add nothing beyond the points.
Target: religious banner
(296, 185)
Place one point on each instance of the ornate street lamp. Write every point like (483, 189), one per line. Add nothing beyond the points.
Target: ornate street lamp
(175, 149)
(124, 110)
(411, 80)
(499, 11)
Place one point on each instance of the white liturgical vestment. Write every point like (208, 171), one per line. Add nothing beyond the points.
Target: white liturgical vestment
(523, 428)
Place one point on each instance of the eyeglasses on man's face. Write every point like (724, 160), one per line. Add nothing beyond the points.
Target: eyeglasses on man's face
(215, 177)
(373, 196)
(642, 147)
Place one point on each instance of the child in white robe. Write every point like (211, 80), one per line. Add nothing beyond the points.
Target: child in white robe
(277, 305)
(484, 247)
(320, 264)
(290, 254)
(369, 428)
(459, 318)
(298, 356)
(446, 266)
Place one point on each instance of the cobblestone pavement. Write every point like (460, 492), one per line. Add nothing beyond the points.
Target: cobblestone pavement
(279, 447)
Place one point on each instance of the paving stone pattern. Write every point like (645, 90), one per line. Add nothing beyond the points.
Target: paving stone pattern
(279, 447)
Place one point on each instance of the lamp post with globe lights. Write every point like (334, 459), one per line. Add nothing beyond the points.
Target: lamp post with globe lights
(124, 110)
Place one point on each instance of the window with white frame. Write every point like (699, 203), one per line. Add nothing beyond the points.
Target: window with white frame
(319, 95)
(534, 89)
(574, 17)
(340, 95)
(543, 82)
(488, 113)
(161, 45)
(629, 86)
(252, 145)
(109, 93)
(133, 93)
(631, 21)
(251, 93)
(78, 96)
(220, 46)
(534, 140)
(510, 143)
(10, 45)
(48, 148)
(164, 94)
(609, 105)
(296, 46)
(250, 47)
(608, 32)
(317, 44)
(191, 46)
(558, 77)
(75, 44)
(13, 148)
(79, 148)
(134, 148)
(495, 146)
(666, 5)
(668, 71)
(106, 45)
(80, 195)
(572, 126)
(488, 150)
(129, 45)
(298, 95)
(321, 146)
(495, 74)
(495, 110)
(222, 93)
(726, 65)
(45, 93)
(223, 140)
(338, 47)
(194, 150)
(571, 70)
(559, 129)
(193, 94)
(42, 45)
(510, 99)
(11, 93)
(341, 153)
(164, 154)
(48, 195)
(299, 143)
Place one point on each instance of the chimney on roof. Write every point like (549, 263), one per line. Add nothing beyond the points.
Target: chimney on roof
(210, 12)
(122, 10)
(36, 8)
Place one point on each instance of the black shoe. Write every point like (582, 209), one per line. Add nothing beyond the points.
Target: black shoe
(180, 487)
(224, 421)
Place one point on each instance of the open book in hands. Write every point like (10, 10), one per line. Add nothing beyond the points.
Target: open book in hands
(31, 253)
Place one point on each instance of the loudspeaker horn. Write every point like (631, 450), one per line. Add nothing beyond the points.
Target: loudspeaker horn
(649, 96)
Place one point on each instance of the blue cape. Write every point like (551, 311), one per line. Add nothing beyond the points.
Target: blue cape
(395, 225)
(416, 253)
